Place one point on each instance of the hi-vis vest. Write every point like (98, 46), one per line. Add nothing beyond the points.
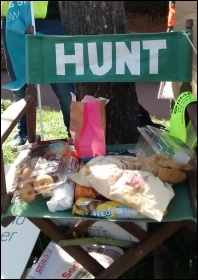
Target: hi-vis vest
(40, 8)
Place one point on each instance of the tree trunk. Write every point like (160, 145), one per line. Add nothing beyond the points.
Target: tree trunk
(105, 17)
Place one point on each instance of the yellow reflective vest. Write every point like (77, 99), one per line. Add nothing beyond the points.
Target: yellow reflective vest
(40, 8)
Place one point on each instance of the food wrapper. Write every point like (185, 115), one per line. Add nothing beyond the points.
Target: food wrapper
(120, 180)
(104, 209)
(81, 191)
(63, 195)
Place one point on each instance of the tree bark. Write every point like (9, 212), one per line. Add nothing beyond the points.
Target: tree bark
(105, 17)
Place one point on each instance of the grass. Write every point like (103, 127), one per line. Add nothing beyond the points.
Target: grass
(182, 264)
(164, 122)
(53, 128)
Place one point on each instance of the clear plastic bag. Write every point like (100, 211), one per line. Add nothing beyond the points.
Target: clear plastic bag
(43, 169)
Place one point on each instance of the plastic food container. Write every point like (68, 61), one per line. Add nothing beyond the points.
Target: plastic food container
(156, 141)
(44, 168)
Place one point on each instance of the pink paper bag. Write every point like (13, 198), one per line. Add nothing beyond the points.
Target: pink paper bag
(88, 126)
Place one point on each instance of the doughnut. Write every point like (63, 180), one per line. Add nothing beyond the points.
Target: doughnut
(49, 155)
(20, 168)
(26, 172)
(27, 193)
(42, 182)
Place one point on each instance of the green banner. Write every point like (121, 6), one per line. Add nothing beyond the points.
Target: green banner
(141, 57)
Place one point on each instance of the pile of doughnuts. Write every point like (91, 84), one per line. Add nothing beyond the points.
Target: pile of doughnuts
(31, 187)
(39, 171)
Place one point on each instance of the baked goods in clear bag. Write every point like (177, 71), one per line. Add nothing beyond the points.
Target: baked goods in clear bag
(44, 168)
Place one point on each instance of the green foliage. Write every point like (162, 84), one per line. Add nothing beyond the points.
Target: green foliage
(5, 103)
(8, 156)
(53, 128)
(164, 122)
(53, 125)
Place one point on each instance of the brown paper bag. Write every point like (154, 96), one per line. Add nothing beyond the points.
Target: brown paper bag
(88, 126)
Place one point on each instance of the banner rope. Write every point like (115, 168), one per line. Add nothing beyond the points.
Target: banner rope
(186, 35)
